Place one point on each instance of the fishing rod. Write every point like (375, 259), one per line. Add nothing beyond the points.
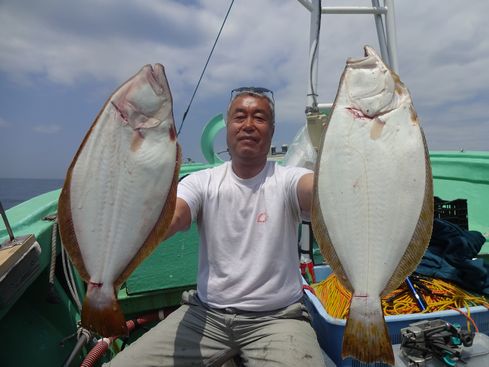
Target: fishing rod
(205, 67)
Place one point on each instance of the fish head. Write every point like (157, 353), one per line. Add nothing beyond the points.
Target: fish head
(144, 101)
(370, 87)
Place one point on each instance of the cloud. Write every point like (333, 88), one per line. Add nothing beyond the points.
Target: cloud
(70, 43)
(443, 57)
(4, 123)
(90, 47)
(47, 129)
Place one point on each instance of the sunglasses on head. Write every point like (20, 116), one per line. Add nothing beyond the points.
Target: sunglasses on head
(253, 90)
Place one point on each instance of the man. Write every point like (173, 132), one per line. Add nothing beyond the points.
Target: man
(249, 289)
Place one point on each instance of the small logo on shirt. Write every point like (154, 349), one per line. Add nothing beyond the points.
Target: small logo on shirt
(261, 218)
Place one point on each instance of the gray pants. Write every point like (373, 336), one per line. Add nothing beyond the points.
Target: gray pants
(197, 335)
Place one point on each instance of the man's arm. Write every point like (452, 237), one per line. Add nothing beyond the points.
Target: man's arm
(304, 192)
(181, 218)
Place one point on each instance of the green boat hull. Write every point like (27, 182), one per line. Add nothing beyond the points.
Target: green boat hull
(36, 332)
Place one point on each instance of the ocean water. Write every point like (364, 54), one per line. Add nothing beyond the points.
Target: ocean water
(14, 191)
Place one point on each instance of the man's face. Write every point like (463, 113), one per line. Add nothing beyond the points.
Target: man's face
(249, 127)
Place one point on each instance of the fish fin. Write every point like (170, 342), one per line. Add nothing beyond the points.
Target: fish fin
(421, 235)
(66, 229)
(101, 312)
(65, 220)
(366, 337)
(317, 219)
(322, 237)
(160, 228)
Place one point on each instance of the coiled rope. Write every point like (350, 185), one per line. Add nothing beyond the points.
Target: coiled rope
(439, 295)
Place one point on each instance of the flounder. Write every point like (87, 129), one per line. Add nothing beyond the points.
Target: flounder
(119, 194)
(372, 209)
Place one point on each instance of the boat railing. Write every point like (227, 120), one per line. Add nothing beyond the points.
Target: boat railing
(384, 18)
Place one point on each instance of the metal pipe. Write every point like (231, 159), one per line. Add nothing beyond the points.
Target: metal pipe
(391, 35)
(306, 3)
(77, 349)
(7, 224)
(313, 55)
(379, 25)
(325, 105)
(353, 10)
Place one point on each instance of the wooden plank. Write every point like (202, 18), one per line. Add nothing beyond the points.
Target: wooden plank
(10, 255)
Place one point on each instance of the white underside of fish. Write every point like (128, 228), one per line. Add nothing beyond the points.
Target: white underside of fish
(372, 192)
(117, 197)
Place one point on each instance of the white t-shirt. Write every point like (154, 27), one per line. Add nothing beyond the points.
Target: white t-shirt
(248, 255)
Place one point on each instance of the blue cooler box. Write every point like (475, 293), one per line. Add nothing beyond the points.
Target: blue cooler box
(330, 330)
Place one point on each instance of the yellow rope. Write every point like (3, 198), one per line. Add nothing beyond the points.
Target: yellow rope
(442, 295)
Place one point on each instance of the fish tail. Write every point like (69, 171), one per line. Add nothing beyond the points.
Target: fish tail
(366, 337)
(101, 311)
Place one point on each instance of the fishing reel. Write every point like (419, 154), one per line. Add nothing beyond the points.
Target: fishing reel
(436, 339)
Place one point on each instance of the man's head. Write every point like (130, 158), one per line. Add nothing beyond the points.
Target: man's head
(256, 91)
(250, 124)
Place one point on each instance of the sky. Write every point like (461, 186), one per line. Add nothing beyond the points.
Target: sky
(61, 60)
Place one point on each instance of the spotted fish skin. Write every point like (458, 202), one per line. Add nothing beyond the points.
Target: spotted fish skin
(372, 209)
(119, 193)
